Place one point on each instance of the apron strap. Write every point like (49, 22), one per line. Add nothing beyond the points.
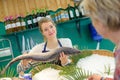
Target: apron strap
(44, 49)
(59, 43)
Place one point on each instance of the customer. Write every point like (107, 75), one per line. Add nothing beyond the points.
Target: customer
(105, 16)
(48, 30)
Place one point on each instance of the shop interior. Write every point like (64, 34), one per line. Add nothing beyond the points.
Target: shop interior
(20, 38)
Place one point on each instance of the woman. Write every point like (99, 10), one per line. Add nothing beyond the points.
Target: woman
(48, 30)
(105, 16)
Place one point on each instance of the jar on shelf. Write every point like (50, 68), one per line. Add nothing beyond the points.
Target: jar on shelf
(64, 16)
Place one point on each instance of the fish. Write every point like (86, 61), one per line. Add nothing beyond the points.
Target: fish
(44, 57)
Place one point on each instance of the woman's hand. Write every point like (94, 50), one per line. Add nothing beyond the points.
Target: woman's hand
(63, 58)
(94, 77)
(25, 62)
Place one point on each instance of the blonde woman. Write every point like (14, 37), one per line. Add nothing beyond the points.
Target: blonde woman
(48, 29)
(105, 16)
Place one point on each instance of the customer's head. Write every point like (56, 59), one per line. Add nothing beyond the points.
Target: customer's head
(47, 28)
(105, 11)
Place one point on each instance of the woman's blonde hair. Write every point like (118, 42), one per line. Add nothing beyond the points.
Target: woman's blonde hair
(44, 20)
(106, 11)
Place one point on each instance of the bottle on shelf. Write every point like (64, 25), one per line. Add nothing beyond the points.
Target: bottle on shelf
(13, 23)
(34, 19)
(8, 25)
(70, 12)
(43, 13)
(56, 18)
(29, 21)
(77, 11)
(64, 15)
(82, 10)
(23, 24)
(18, 23)
(53, 17)
(59, 16)
(48, 14)
(38, 14)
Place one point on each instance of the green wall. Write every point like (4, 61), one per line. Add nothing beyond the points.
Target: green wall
(81, 37)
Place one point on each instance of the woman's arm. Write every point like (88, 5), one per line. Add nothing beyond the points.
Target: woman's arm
(23, 66)
(66, 42)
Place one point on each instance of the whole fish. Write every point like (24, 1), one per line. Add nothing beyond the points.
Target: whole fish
(44, 57)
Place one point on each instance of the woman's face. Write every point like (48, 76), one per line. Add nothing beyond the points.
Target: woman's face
(48, 30)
